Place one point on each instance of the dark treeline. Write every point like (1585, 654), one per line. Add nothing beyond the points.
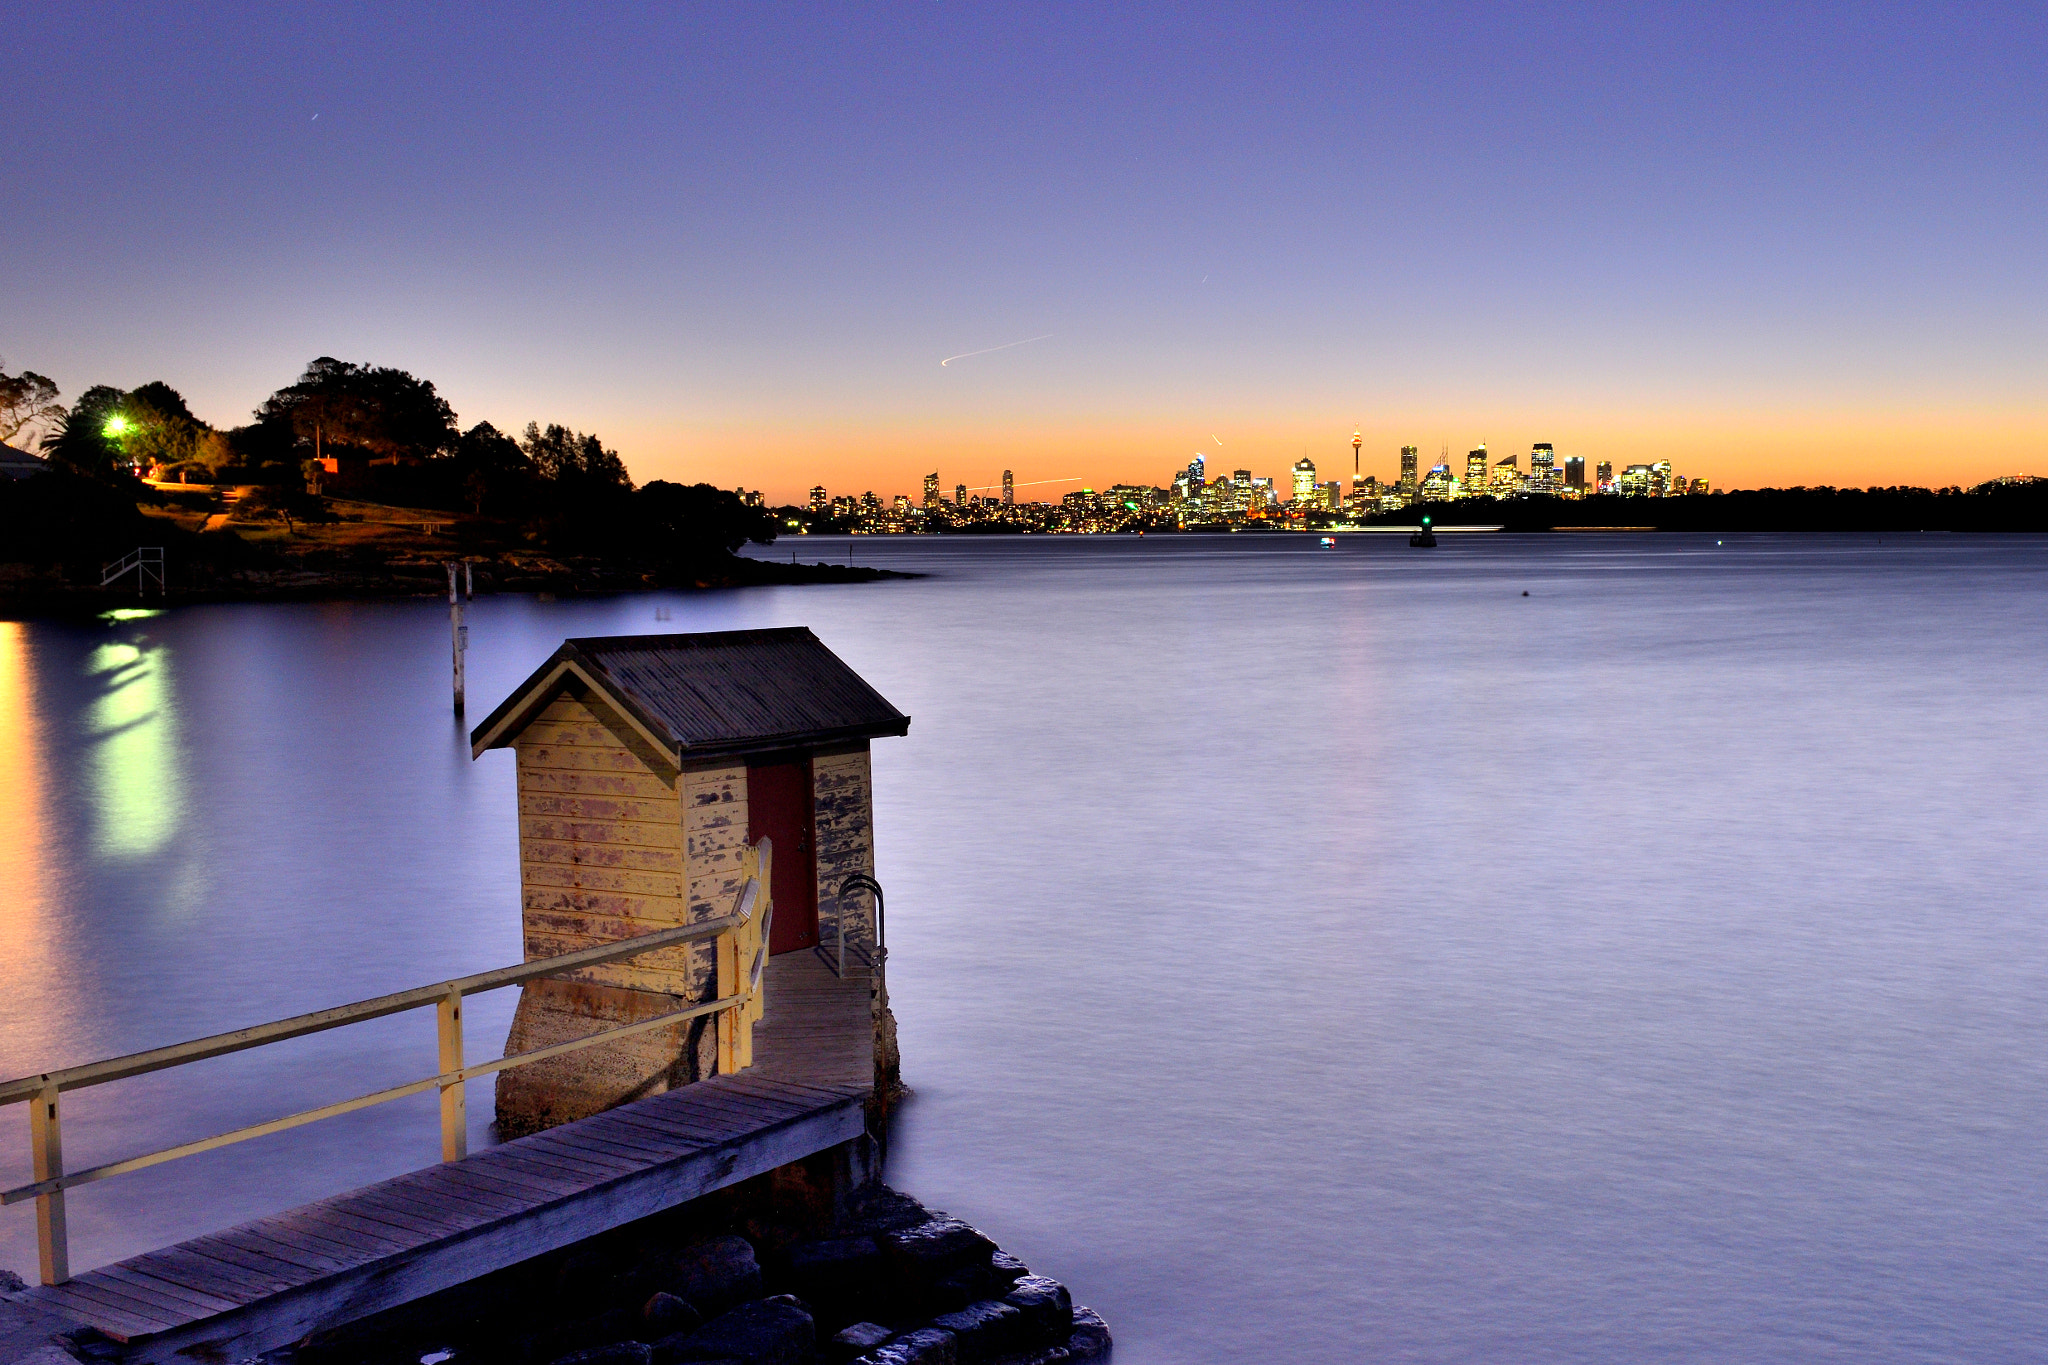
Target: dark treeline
(364, 432)
(2002, 505)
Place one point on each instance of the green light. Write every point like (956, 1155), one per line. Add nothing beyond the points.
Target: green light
(1425, 521)
(116, 425)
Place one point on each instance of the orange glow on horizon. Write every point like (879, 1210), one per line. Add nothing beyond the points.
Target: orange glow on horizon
(1858, 450)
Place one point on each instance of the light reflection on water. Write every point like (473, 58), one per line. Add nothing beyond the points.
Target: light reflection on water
(1307, 955)
(132, 731)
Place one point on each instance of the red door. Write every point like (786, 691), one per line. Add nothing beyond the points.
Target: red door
(779, 806)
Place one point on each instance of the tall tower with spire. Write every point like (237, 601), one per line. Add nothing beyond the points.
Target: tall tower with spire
(1356, 441)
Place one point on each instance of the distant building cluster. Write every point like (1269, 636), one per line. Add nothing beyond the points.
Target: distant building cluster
(1192, 500)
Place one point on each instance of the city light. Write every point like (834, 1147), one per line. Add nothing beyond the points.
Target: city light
(1192, 499)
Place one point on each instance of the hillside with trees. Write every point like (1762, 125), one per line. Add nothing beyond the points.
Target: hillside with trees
(352, 480)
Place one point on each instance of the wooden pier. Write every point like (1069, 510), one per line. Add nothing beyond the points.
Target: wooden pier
(669, 954)
(234, 1294)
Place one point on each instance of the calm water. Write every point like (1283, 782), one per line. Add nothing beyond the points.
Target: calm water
(1308, 955)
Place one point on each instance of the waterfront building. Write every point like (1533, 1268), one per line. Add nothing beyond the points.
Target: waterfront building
(901, 504)
(1507, 475)
(1408, 480)
(1641, 481)
(721, 740)
(1009, 489)
(931, 490)
(1304, 481)
(818, 499)
(870, 504)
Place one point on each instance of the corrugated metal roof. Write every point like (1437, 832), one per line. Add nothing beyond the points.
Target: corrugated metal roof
(718, 692)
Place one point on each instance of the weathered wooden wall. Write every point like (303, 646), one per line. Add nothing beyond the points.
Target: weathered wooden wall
(843, 818)
(610, 847)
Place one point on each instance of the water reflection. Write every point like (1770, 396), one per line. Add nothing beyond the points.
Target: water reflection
(24, 936)
(133, 780)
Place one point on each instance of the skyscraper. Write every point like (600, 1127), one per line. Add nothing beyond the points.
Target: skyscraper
(1575, 472)
(931, 490)
(1407, 485)
(1196, 474)
(1304, 481)
(1475, 470)
(1009, 489)
(818, 498)
(1603, 477)
(1542, 464)
(959, 495)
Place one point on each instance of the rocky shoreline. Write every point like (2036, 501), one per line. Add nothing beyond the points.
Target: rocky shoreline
(778, 1271)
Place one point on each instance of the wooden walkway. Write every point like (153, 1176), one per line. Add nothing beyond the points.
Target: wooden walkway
(238, 1293)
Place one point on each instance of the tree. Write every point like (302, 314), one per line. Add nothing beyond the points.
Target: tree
(158, 428)
(26, 399)
(496, 474)
(562, 456)
(87, 439)
(687, 525)
(383, 412)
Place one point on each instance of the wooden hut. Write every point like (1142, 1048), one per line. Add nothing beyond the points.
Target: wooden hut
(647, 765)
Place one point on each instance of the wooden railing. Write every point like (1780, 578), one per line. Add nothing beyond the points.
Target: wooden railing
(741, 954)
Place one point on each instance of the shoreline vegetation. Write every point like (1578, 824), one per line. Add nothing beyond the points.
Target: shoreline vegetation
(353, 482)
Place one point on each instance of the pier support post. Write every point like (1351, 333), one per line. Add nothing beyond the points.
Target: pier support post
(458, 634)
(46, 1137)
(454, 1107)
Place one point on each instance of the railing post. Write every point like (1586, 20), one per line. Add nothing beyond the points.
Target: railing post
(46, 1137)
(454, 1110)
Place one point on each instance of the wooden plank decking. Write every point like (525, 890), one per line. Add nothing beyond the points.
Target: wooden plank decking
(249, 1289)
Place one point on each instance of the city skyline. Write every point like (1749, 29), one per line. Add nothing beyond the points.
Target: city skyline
(1772, 247)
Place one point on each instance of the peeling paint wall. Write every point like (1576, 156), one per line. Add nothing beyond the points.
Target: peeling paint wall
(609, 848)
(843, 818)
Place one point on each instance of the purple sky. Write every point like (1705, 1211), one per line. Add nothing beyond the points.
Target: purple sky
(1777, 244)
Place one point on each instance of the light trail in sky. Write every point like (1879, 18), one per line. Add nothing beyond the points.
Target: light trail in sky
(1004, 347)
(1028, 483)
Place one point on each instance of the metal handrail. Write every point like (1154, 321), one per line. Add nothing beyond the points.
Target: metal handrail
(51, 1180)
(859, 881)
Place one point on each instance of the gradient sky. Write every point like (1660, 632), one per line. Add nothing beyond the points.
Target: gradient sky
(1774, 244)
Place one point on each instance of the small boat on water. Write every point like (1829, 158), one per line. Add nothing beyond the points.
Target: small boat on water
(1329, 542)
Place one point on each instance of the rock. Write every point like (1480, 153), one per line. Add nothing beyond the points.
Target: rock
(876, 1208)
(927, 1346)
(969, 1284)
(618, 1353)
(1007, 1268)
(1047, 1308)
(11, 1283)
(932, 1250)
(857, 1340)
(1090, 1338)
(842, 1276)
(765, 1333)
(984, 1330)
(714, 1275)
(667, 1314)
